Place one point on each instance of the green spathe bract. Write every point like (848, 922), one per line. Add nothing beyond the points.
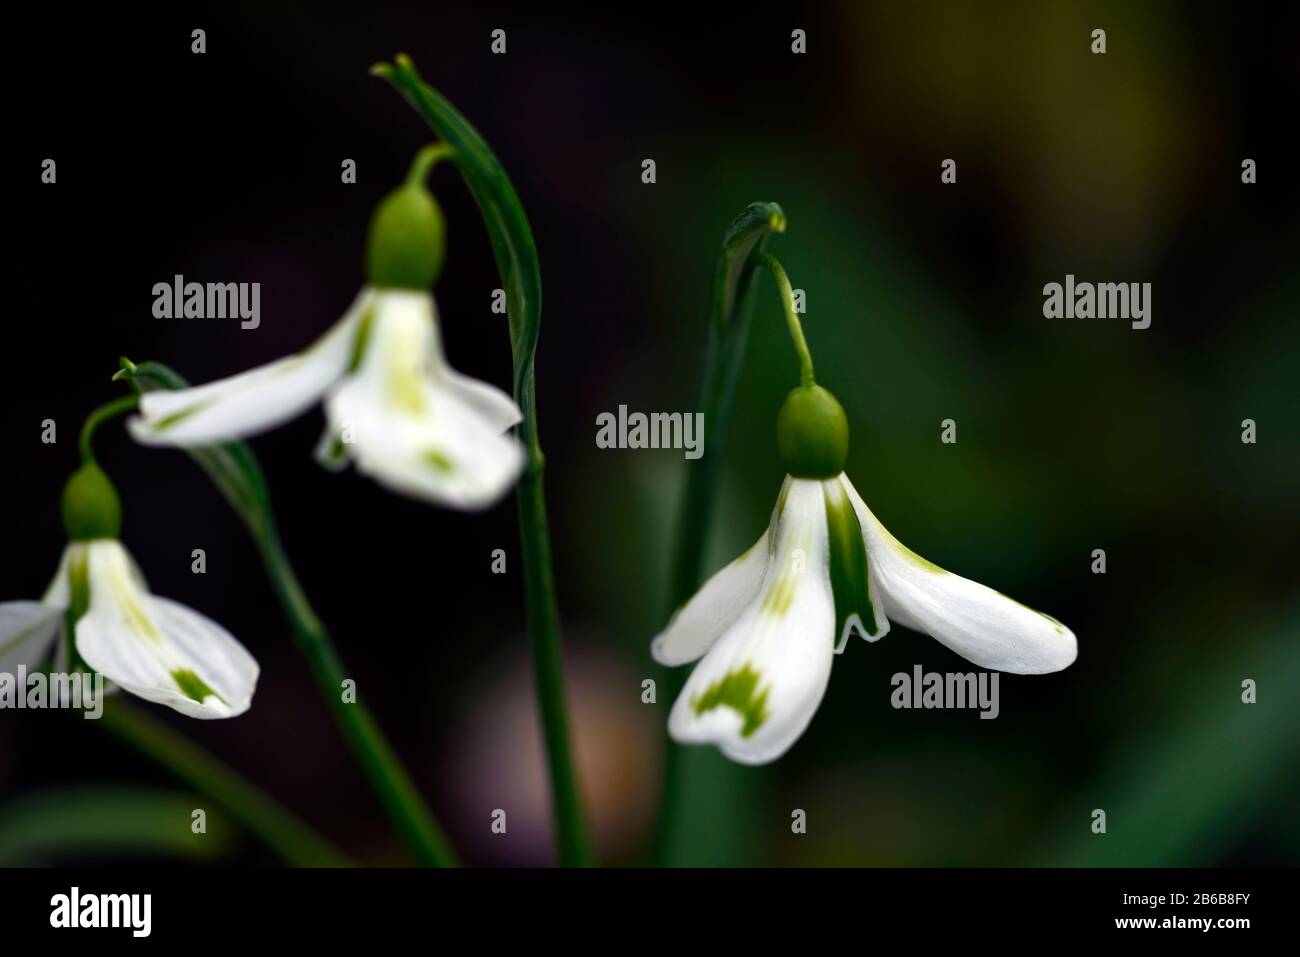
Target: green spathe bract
(407, 240)
(812, 433)
(737, 690)
(91, 508)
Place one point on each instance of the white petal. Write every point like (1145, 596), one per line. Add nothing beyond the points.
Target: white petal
(28, 630)
(719, 602)
(496, 408)
(159, 649)
(757, 688)
(252, 401)
(58, 594)
(407, 425)
(493, 406)
(980, 624)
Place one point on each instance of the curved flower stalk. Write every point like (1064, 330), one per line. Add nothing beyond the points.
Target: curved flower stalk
(98, 612)
(394, 406)
(768, 625)
(235, 472)
(516, 256)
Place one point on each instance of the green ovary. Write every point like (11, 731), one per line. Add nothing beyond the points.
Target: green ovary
(738, 690)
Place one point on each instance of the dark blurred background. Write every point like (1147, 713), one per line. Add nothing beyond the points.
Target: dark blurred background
(924, 303)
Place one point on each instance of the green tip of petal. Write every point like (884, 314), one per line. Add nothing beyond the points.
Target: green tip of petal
(194, 687)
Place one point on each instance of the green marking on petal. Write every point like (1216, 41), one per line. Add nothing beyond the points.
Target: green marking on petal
(908, 553)
(362, 339)
(850, 574)
(1060, 628)
(403, 372)
(738, 690)
(780, 501)
(439, 461)
(136, 619)
(337, 451)
(167, 421)
(780, 596)
(78, 603)
(194, 687)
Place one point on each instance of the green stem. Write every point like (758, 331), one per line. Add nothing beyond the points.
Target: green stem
(548, 659)
(234, 470)
(294, 840)
(733, 306)
(97, 418)
(427, 159)
(770, 262)
(515, 252)
(398, 794)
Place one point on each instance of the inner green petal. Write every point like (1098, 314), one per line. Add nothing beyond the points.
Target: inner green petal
(850, 575)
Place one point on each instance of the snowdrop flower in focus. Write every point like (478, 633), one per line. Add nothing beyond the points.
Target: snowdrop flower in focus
(766, 628)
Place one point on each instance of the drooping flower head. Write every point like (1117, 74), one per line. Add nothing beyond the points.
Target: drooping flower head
(766, 628)
(99, 614)
(394, 407)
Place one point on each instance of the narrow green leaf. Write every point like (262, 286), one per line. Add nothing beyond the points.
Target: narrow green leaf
(696, 783)
(234, 469)
(521, 277)
(728, 333)
(76, 823)
(503, 214)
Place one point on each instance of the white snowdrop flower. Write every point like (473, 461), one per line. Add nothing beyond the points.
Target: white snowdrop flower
(394, 406)
(98, 612)
(768, 625)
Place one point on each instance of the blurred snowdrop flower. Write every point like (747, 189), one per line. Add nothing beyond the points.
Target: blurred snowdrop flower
(768, 625)
(98, 612)
(394, 407)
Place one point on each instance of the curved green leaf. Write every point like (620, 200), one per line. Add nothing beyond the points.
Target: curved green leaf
(733, 305)
(698, 779)
(503, 214)
(521, 277)
(235, 471)
(84, 821)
